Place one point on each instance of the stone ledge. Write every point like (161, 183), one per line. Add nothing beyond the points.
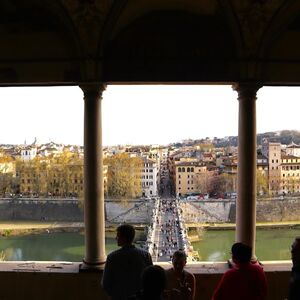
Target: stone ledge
(73, 267)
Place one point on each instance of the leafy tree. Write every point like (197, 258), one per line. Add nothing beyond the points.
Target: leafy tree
(124, 176)
(261, 183)
(226, 183)
(202, 182)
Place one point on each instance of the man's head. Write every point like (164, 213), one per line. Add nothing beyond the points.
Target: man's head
(153, 281)
(241, 253)
(179, 260)
(125, 235)
(295, 251)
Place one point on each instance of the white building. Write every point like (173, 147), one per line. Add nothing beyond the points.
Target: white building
(149, 178)
(28, 153)
(293, 150)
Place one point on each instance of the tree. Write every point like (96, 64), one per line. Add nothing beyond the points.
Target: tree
(225, 183)
(203, 182)
(124, 176)
(261, 183)
(5, 183)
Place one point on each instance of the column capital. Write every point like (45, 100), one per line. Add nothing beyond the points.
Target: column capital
(93, 90)
(247, 90)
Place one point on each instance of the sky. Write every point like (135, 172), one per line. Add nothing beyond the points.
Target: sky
(140, 114)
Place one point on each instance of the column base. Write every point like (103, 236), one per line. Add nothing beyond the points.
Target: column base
(86, 267)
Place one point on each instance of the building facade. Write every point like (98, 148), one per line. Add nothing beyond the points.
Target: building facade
(149, 178)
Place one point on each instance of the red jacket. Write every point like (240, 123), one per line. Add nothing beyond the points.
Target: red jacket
(244, 282)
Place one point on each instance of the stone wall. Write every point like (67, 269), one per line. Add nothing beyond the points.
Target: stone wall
(63, 281)
(139, 211)
(287, 209)
(268, 210)
(69, 210)
(41, 210)
(133, 211)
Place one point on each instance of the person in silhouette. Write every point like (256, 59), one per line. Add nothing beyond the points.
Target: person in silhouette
(124, 267)
(246, 280)
(153, 283)
(294, 287)
(181, 284)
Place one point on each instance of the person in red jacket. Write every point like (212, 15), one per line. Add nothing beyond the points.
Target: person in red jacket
(245, 281)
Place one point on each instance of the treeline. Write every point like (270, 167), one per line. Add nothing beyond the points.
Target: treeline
(61, 175)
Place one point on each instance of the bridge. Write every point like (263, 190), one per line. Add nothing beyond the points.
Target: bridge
(167, 232)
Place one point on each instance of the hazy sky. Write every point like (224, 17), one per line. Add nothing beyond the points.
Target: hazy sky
(140, 114)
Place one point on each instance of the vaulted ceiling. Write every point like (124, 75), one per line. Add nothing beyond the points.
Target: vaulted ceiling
(134, 41)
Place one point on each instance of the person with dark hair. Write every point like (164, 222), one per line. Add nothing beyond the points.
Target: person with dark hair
(153, 283)
(123, 268)
(181, 284)
(294, 288)
(246, 280)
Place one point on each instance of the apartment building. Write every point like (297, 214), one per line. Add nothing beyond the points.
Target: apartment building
(149, 178)
(190, 177)
(48, 177)
(290, 174)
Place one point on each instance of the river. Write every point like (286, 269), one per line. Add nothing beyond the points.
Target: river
(272, 244)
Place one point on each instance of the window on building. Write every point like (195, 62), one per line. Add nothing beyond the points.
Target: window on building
(179, 169)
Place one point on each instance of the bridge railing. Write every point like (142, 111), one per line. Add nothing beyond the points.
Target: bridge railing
(152, 227)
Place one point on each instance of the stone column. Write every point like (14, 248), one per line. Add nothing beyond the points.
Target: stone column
(246, 192)
(94, 218)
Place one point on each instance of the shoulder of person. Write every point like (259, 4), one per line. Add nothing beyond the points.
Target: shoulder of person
(113, 253)
(189, 275)
(258, 267)
(169, 271)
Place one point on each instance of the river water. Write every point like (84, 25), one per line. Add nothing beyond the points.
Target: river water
(272, 244)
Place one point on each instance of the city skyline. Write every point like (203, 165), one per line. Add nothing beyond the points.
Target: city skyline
(144, 115)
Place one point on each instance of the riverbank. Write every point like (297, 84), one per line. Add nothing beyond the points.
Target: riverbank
(23, 227)
(230, 226)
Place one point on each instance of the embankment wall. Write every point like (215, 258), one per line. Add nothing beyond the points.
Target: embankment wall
(139, 211)
(70, 210)
(268, 210)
